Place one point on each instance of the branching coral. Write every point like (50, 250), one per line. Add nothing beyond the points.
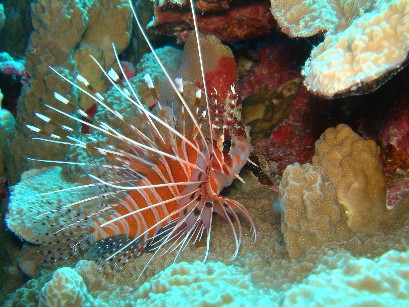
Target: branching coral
(365, 41)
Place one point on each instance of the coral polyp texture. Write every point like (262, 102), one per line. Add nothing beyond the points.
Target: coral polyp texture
(365, 41)
(354, 167)
(343, 192)
(312, 215)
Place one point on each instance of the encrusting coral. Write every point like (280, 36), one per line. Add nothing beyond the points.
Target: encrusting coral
(311, 214)
(365, 41)
(354, 167)
(342, 193)
(216, 283)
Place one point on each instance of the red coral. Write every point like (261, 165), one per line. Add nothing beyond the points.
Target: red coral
(91, 113)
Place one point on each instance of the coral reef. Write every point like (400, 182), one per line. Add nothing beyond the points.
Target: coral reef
(344, 191)
(344, 230)
(306, 121)
(352, 57)
(238, 21)
(63, 32)
(170, 58)
(265, 110)
(66, 288)
(13, 76)
(330, 278)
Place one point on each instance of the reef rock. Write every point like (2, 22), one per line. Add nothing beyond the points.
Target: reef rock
(232, 22)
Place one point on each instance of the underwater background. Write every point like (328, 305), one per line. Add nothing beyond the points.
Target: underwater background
(324, 93)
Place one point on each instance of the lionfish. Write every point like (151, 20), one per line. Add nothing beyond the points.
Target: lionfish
(160, 183)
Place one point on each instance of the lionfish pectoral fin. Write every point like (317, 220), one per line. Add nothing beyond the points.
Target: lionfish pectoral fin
(105, 252)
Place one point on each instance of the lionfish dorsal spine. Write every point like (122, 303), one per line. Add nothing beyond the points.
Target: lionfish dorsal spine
(160, 180)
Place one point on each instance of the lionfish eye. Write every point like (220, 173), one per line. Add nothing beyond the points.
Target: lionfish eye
(226, 145)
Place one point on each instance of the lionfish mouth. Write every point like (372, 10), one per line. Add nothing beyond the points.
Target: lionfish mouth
(152, 184)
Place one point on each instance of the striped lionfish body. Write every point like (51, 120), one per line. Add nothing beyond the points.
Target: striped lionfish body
(161, 180)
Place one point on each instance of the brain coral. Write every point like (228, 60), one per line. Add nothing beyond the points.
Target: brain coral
(364, 40)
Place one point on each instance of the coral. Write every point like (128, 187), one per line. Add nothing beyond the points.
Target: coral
(353, 56)
(201, 5)
(63, 31)
(219, 65)
(265, 110)
(384, 279)
(271, 66)
(98, 39)
(240, 21)
(311, 214)
(170, 58)
(306, 121)
(340, 278)
(24, 201)
(342, 194)
(354, 167)
(264, 267)
(66, 288)
(271, 84)
(394, 137)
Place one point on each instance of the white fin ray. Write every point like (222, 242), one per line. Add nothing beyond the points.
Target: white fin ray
(168, 76)
(125, 139)
(150, 115)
